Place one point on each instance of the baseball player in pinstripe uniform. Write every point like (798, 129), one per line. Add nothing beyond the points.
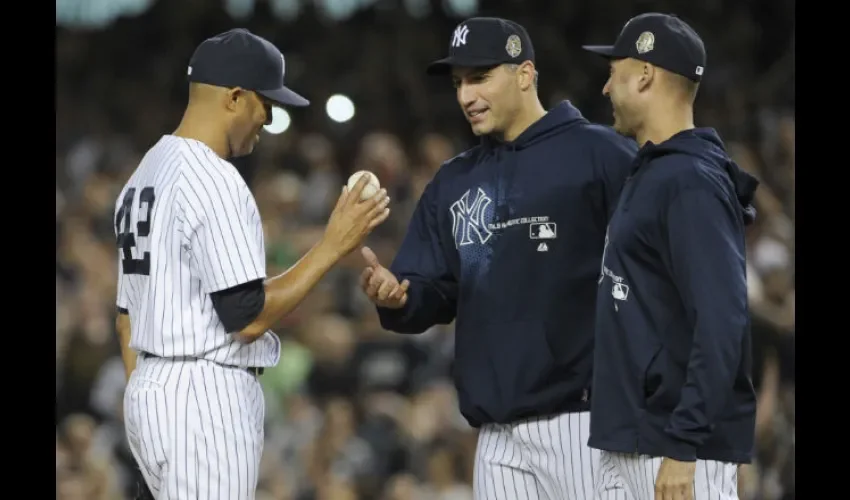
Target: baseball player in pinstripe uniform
(193, 297)
(506, 240)
(673, 410)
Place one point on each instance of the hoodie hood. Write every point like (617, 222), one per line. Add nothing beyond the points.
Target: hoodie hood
(705, 144)
(554, 121)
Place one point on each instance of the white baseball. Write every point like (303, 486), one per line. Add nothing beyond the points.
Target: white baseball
(370, 189)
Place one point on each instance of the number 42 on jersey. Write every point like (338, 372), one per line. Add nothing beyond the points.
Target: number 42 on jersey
(125, 234)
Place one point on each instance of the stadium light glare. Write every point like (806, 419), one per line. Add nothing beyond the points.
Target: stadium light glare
(280, 121)
(339, 108)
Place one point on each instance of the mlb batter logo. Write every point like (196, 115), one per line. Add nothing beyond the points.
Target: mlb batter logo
(543, 230)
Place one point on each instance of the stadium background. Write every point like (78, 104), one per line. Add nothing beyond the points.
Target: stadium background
(354, 412)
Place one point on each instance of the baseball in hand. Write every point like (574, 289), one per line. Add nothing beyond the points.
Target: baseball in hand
(370, 189)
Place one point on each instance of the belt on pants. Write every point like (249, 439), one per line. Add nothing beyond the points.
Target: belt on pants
(253, 370)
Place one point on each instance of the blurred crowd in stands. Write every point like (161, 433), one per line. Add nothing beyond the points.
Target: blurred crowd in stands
(354, 412)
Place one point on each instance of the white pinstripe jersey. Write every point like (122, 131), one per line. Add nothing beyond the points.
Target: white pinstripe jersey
(187, 225)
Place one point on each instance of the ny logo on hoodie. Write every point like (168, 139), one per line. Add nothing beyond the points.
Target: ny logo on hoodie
(468, 219)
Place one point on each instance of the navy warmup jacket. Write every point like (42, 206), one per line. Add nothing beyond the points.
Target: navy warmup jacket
(672, 354)
(507, 239)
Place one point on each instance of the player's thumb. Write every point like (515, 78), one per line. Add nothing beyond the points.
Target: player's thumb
(371, 258)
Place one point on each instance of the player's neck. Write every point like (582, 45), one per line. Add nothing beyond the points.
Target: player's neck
(665, 123)
(205, 130)
(528, 115)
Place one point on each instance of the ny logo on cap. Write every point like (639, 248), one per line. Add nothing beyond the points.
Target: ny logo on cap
(459, 37)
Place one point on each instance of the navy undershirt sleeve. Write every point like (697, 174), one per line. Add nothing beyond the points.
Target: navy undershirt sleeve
(238, 306)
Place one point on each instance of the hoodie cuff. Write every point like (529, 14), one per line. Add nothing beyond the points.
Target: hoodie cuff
(680, 449)
(397, 320)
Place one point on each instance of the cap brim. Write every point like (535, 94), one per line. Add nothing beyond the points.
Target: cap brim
(606, 51)
(444, 66)
(284, 96)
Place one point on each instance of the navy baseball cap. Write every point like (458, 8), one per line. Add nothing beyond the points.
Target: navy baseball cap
(660, 39)
(481, 42)
(239, 58)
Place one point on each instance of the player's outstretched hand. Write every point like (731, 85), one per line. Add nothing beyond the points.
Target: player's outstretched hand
(380, 285)
(352, 219)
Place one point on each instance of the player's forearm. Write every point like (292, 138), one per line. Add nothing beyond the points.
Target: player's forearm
(283, 293)
(122, 325)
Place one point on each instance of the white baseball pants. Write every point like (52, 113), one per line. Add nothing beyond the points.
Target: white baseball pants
(195, 428)
(625, 476)
(536, 459)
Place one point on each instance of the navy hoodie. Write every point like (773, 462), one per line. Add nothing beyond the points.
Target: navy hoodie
(672, 354)
(507, 240)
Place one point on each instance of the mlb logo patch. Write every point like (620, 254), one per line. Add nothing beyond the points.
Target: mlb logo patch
(620, 291)
(543, 230)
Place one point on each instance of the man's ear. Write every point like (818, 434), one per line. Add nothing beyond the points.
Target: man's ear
(234, 97)
(527, 74)
(648, 73)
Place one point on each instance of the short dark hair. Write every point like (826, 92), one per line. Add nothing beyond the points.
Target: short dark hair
(514, 67)
(686, 86)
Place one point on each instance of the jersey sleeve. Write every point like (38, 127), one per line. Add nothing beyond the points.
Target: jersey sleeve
(121, 302)
(225, 231)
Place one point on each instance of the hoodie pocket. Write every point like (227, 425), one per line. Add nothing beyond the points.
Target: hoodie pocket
(645, 374)
(662, 383)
